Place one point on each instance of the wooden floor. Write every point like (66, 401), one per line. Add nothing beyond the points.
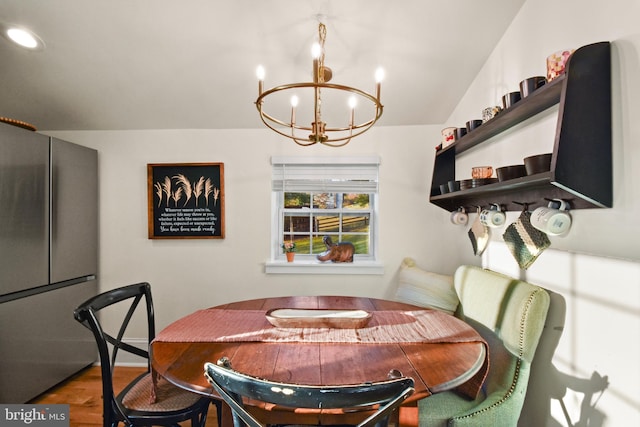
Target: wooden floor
(83, 394)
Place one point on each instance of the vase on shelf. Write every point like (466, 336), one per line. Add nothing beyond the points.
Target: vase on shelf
(290, 256)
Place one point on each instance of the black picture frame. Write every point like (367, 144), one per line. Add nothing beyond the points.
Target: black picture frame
(186, 200)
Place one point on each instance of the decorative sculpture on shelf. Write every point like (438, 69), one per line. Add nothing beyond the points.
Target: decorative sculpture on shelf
(337, 252)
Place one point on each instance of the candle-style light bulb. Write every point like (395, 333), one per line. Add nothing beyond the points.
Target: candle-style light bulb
(379, 78)
(315, 54)
(294, 104)
(316, 50)
(352, 104)
(353, 101)
(260, 74)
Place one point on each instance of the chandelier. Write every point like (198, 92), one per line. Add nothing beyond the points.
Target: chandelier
(336, 135)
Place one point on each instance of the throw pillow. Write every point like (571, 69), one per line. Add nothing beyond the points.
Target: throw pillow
(426, 289)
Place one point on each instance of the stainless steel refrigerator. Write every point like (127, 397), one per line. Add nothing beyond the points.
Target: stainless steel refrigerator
(48, 260)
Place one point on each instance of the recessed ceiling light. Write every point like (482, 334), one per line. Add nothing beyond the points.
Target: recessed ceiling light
(24, 38)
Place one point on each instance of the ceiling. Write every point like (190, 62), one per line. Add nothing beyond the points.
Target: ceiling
(190, 64)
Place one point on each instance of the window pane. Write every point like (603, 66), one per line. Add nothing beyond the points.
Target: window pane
(327, 223)
(297, 200)
(355, 201)
(360, 242)
(318, 245)
(355, 223)
(325, 201)
(294, 223)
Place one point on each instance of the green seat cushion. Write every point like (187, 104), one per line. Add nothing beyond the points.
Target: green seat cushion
(498, 404)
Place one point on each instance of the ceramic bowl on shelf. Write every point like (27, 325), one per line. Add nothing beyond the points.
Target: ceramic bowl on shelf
(530, 85)
(460, 132)
(473, 124)
(453, 186)
(479, 172)
(510, 99)
(538, 164)
(506, 173)
(557, 62)
(444, 188)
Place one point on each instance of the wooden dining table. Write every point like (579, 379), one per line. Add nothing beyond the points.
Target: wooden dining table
(439, 351)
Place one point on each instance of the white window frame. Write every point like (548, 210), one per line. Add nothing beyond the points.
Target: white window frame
(323, 174)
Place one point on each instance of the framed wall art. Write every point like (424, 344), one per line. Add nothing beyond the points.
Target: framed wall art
(186, 200)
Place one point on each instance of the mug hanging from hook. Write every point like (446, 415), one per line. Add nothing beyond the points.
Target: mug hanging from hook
(460, 217)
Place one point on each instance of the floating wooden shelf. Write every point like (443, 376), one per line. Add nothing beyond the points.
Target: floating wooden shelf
(581, 163)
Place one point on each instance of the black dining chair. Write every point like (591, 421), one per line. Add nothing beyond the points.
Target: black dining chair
(134, 405)
(383, 397)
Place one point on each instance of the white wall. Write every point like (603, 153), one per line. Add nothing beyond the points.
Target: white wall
(596, 268)
(190, 274)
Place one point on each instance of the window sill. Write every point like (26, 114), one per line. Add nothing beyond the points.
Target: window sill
(315, 267)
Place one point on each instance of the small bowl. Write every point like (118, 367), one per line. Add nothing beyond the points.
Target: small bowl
(538, 164)
(481, 172)
(506, 173)
(556, 63)
(444, 188)
(473, 124)
(460, 132)
(528, 86)
(509, 99)
(453, 186)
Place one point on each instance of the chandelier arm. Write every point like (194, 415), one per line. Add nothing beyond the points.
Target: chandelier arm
(268, 120)
(298, 140)
(329, 144)
(264, 115)
(304, 142)
(364, 127)
(261, 99)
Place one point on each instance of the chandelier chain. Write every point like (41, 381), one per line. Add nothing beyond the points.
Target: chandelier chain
(322, 36)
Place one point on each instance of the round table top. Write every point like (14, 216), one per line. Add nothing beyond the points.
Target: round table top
(434, 366)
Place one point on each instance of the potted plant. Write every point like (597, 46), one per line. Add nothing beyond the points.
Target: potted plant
(289, 250)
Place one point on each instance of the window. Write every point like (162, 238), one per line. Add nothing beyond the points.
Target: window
(318, 197)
